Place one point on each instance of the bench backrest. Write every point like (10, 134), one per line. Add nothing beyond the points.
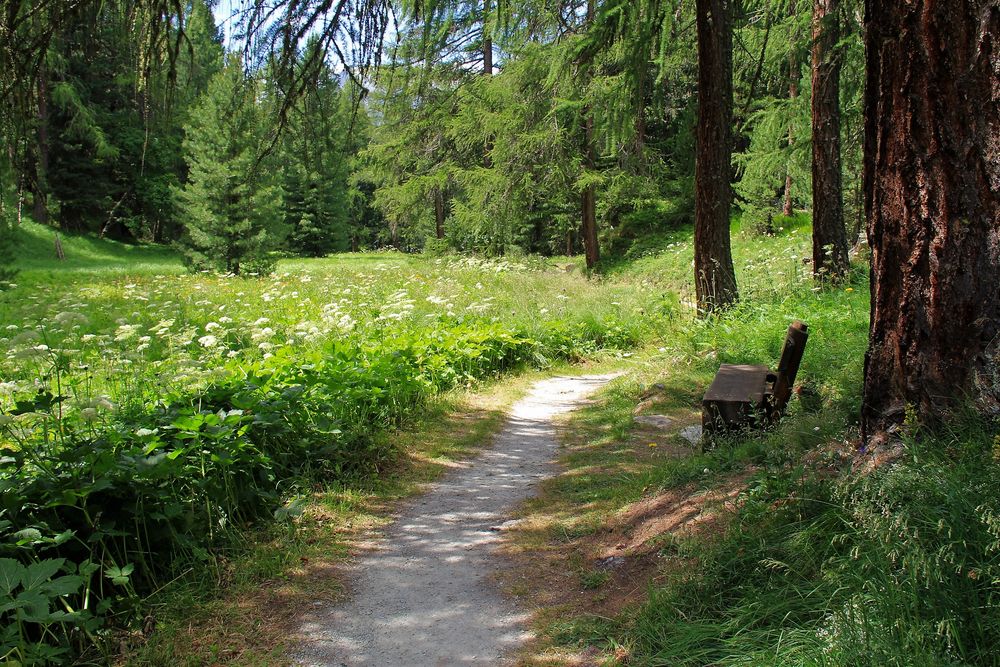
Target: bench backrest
(788, 365)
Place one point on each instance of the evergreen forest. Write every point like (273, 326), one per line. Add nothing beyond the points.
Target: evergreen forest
(276, 274)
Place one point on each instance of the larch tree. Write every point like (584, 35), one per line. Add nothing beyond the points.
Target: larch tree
(715, 277)
(793, 92)
(830, 261)
(932, 199)
(588, 197)
(487, 39)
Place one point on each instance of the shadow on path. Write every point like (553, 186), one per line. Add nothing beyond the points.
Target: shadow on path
(426, 595)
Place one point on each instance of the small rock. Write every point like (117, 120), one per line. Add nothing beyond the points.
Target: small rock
(692, 434)
(656, 421)
(610, 563)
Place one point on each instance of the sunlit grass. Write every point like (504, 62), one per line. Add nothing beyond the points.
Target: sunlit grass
(817, 565)
(131, 336)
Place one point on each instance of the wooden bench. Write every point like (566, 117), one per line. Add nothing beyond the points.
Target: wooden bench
(751, 396)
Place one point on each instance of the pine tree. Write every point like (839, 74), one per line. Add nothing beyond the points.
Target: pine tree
(230, 207)
(316, 162)
(715, 278)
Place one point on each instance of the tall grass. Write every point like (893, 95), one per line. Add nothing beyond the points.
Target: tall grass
(898, 567)
(819, 564)
(147, 418)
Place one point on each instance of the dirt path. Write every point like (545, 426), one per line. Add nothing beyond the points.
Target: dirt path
(426, 595)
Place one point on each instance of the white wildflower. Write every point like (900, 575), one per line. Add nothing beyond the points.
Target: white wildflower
(126, 332)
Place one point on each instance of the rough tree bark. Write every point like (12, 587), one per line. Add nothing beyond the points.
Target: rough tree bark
(588, 199)
(39, 178)
(793, 93)
(487, 71)
(830, 261)
(438, 213)
(640, 119)
(715, 278)
(932, 199)
(487, 40)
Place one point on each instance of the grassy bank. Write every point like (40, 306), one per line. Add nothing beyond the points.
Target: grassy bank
(785, 547)
(246, 613)
(150, 418)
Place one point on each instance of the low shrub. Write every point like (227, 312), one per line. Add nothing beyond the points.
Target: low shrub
(100, 508)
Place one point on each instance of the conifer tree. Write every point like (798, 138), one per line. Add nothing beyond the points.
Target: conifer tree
(316, 164)
(715, 278)
(830, 261)
(230, 206)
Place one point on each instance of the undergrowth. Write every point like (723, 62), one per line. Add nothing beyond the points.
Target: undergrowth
(896, 567)
(819, 563)
(147, 421)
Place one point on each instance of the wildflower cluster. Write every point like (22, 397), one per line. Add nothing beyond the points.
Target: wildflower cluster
(142, 420)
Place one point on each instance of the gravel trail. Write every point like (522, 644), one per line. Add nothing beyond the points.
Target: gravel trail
(426, 595)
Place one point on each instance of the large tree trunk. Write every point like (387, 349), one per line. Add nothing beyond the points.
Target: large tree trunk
(39, 179)
(932, 199)
(715, 279)
(793, 93)
(487, 71)
(830, 260)
(640, 119)
(487, 40)
(438, 213)
(588, 199)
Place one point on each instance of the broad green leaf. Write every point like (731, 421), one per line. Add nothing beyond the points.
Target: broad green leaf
(34, 607)
(38, 573)
(11, 573)
(63, 537)
(65, 585)
(119, 575)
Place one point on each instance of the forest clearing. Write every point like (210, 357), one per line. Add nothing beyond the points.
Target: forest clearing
(467, 332)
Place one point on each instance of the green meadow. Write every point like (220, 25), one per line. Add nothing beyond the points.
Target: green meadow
(152, 417)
